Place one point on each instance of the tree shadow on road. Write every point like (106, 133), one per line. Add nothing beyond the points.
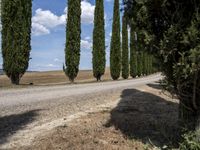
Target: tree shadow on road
(9, 125)
(155, 86)
(146, 117)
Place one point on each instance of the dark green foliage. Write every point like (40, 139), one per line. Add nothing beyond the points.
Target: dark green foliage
(115, 51)
(99, 58)
(139, 64)
(73, 37)
(171, 31)
(149, 64)
(16, 36)
(190, 142)
(145, 65)
(133, 54)
(125, 50)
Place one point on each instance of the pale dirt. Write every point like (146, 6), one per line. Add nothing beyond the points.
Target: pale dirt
(56, 117)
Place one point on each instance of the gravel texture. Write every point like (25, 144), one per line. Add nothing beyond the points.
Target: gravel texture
(27, 112)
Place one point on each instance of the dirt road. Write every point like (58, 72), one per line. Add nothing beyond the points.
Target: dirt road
(27, 113)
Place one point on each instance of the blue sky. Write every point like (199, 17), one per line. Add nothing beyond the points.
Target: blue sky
(48, 33)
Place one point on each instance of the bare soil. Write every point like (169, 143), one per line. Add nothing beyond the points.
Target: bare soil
(143, 118)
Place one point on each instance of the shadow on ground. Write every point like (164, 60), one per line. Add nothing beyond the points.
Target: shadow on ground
(9, 125)
(155, 86)
(146, 117)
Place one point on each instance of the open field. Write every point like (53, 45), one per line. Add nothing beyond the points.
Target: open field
(52, 77)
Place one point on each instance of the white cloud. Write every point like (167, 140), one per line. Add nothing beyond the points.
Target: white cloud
(44, 67)
(38, 29)
(45, 20)
(86, 44)
(57, 60)
(50, 65)
(87, 38)
(87, 15)
(48, 19)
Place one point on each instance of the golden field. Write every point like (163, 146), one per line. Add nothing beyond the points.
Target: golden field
(52, 77)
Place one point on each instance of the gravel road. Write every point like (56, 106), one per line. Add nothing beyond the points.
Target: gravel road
(31, 110)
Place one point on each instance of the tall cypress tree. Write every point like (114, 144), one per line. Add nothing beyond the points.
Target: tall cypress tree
(115, 51)
(139, 63)
(16, 36)
(73, 37)
(99, 54)
(125, 51)
(151, 64)
(145, 63)
(133, 54)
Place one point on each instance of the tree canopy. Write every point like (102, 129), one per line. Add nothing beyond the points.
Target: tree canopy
(170, 29)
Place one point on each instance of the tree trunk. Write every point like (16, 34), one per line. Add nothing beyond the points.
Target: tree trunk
(189, 119)
(197, 126)
(15, 79)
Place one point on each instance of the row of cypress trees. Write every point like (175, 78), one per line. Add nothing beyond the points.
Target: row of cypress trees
(16, 37)
(139, 63)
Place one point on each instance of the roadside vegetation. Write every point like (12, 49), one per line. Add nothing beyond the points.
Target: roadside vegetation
(169, 30)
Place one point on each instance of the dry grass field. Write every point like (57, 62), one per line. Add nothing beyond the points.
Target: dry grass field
(52, 77)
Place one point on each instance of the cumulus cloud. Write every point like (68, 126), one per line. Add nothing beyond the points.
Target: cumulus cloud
(44, 20)
(48, 19)
(38, 29)
(87, 15)
(86, 44)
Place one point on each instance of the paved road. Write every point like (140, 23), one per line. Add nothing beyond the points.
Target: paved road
(27, 109)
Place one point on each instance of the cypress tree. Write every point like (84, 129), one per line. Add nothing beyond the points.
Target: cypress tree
(133, 54)
(177, 27)
(125, 51)
(145, 63)
(99, 58)
(151, 64)
(148, 65)
(73, 37)
(115, 51)
(139, 63)
(16, 36)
